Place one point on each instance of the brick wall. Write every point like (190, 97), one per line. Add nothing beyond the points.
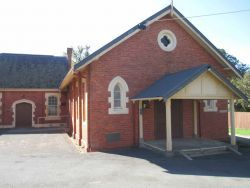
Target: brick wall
(140, 62)
(214, 125)
(188, 118)
(38, 97)
(149, 122)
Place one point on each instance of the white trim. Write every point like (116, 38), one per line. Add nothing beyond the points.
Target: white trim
(232, 122)
(85, 95)
(49, 125)
(147, 99)
(52, 118)
(85, 108)
(169, 145)
(7, 126)
(212, 108)
(222, 81)
(172, 38)
(27, 89)
(141, 139)
(124, 99)
(14, 110)
(57, 117)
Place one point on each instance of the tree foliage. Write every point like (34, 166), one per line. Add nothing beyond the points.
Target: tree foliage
(244, 85)
(243, 68)
(241, 83)
(80, 53)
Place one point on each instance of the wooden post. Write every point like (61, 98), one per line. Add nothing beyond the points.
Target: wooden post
(195, 119)
(168, 126)
(141, 140)
(232, 122)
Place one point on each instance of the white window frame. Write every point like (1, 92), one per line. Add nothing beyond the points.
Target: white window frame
(124, 99)
(212, 107)
(173, 41)
(58, 96)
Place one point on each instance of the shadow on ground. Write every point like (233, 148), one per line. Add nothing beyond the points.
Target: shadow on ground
(50, 130)
(223, 165)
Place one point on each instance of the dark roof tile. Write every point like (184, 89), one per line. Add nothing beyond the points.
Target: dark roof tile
(31, 71)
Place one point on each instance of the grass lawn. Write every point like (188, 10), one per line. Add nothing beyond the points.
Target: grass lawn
(245, 132)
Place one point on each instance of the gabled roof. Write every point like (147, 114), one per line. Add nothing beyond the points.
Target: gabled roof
(146, 23)
(170, 84)
(31, 71)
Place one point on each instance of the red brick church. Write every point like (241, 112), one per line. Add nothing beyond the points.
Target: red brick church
(160, 80)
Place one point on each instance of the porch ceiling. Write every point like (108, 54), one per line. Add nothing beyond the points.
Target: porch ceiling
(202, 82)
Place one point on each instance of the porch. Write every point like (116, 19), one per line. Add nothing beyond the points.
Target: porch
(191, 147)
(197, 85)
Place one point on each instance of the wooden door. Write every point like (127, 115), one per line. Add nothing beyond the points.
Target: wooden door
(23, 115)
(177, 118)
(160, 120)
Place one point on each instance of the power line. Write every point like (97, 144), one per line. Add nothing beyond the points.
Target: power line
(206, 15)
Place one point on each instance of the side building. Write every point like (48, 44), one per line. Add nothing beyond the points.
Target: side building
(29, 91)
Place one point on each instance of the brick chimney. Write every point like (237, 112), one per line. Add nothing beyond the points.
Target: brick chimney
(69, 54)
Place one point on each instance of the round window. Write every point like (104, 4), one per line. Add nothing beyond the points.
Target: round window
(167, 40)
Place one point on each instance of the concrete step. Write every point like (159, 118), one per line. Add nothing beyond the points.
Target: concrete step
(153, 148)
(190, 153)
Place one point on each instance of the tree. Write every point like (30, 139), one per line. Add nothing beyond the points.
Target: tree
(80, 53)
(243, 68)
(241, 83)
(244, 85)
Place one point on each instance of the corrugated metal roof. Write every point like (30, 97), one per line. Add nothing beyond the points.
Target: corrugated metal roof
(170, 84)
(31, 71)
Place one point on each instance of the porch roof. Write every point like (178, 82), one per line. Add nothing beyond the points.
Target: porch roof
(171, 83)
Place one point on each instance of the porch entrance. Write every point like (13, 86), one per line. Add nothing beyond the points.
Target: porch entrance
(176, 116)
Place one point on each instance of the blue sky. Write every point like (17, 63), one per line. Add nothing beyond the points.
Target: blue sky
(49, 27)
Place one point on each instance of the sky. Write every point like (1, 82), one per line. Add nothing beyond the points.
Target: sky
(50, 26)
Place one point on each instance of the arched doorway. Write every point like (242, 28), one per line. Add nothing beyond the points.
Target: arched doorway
(23, 115)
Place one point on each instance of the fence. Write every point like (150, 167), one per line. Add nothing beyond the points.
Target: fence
(242, 120)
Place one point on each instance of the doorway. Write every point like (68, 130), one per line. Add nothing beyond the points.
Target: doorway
(176, 119)
(23, 115)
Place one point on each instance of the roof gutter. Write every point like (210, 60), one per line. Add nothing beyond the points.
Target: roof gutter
(67, 79)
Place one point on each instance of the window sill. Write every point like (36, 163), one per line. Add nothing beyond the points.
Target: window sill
(53, 118)
(118, 111)
(210, 110)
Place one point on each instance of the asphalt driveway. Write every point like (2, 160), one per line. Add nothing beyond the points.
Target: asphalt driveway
(49, 159)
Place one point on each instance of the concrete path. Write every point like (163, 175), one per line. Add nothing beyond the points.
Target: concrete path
(50, 160)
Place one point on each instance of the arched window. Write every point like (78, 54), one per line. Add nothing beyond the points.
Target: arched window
(118, 100)
(52, 106)
(117, 96)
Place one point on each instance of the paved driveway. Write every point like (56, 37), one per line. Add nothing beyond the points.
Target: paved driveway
(50, 160)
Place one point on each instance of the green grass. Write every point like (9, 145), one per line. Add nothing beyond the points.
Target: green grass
(244, 132)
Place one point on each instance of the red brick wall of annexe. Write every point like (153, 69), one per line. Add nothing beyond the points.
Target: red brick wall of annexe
(38, 97)
(140, 62)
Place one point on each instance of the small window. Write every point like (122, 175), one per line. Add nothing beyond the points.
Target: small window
(210, 106)
(52, 106)
(167, 40)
